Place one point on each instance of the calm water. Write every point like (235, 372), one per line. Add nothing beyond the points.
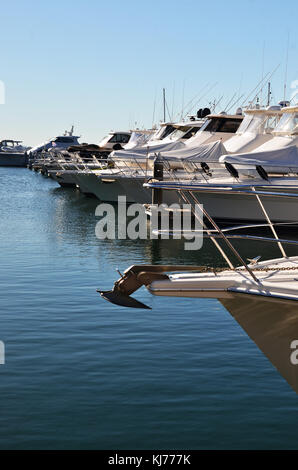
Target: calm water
(82, 373)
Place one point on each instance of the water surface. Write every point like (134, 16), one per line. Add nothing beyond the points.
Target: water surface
(83, 373)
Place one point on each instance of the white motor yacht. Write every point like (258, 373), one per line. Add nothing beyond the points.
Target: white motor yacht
(208, 144)
(86, 179)
(255, 130)
(58, 143)
(178, 134)
(285, 134)
(272, 166)
(114, 141)
(87, 158)
(132, 169)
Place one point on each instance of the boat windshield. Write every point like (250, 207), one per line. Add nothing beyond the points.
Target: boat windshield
(288, 124)
(221, 124)
(8, 143)
(258, 124)
(177, 133)
(119, 138)
(191, 133)
(251, 123)
(105, 140)
(162, 133)
(183, 133)
(271, 123)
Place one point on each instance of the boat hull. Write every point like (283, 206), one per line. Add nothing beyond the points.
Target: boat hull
(223, 206)
(246, 208)
(64, 178)
(13, 159)
(106, 189)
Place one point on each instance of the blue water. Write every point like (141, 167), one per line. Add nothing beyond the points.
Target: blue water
(81, 373)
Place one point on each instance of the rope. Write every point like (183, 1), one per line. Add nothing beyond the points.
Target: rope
(264, 269)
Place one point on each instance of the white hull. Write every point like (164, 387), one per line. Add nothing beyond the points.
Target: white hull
(246, 208)
(108, 188)
(82, 181)
(224, 205)
(220, 206)
(64, 178)
(273, 325)
(105, 189)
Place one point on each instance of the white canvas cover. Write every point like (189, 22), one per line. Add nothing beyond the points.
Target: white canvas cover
(137, 139)
(144, 151)
(202, 153)
(166, 144)
(283, 157)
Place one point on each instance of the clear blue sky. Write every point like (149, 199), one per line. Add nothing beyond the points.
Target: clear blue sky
(100, 65)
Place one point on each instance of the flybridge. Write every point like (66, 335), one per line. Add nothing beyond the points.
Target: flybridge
(60, 142)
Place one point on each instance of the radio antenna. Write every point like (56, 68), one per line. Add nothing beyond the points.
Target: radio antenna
(263, 61)
(286, 71)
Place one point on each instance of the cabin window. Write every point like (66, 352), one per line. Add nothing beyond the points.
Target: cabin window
(123, 138)
(64, 140)
(120, 138)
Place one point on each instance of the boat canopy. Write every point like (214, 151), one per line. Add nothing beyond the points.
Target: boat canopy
(283, 157)
(259, 121)
(188, 124)
(182, 130)
(200, 153)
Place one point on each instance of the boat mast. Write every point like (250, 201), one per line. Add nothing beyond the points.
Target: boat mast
(164, 104)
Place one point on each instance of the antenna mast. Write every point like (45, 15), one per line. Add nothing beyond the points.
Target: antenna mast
(269, 94)
(286, 71)
(263, 57)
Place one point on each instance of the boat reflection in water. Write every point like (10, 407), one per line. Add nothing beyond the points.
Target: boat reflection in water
(273, 325)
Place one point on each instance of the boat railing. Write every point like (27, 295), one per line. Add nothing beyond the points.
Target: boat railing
(211, 229)
(181, 169)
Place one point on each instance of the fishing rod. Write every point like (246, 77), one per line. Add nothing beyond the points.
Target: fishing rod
(216, 103)
(270, 76)
(235, 102)
(182, 110)
(201, 97)
(267, 77)
(293, 97)
(256, 87)
(230, 101)
(286, 70)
